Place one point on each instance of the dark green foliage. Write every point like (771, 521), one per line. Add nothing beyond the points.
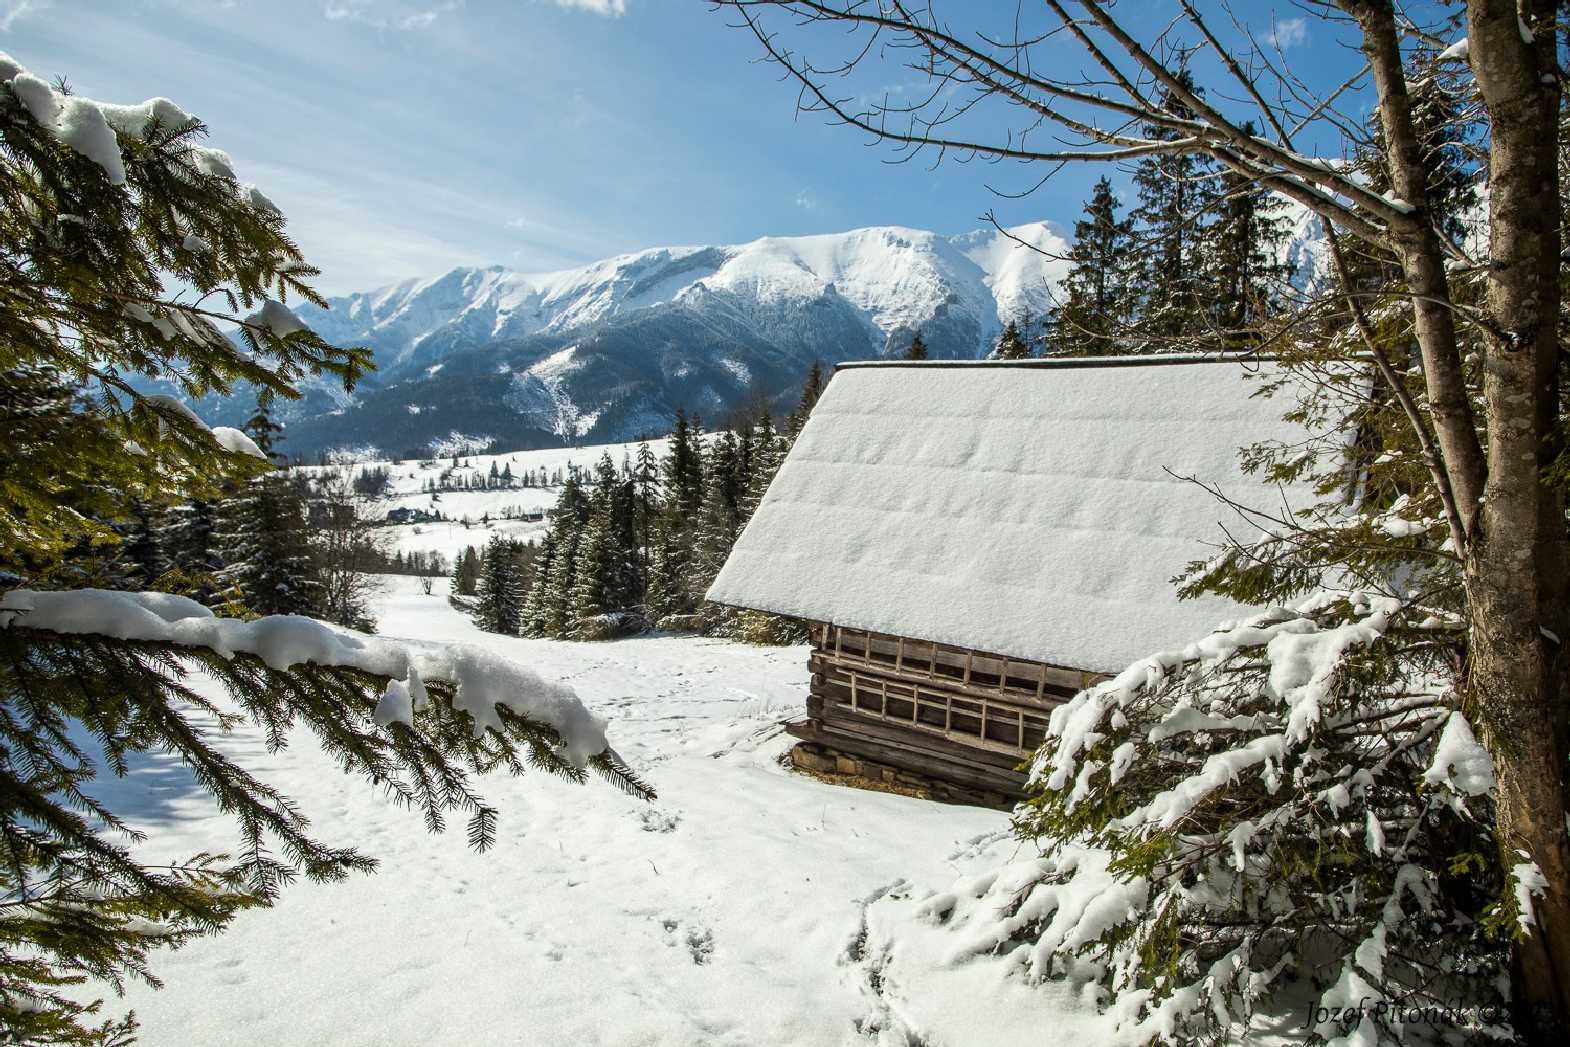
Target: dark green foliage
(1099, 292)
(1243, 271)
(1176, 191)
(268, 539)
(645, 479)
(141, 561)
(633, 548)
(190, 541)
(917, 350)
(86, 459)
(533, 622)
(682, 469)
(75, 891)
(1011, 345)
(670, 569)
(810, 391)
(551, 595)
(719, 522)
(500, 591)
(1198, 265)
(466, 572)
(608, 575)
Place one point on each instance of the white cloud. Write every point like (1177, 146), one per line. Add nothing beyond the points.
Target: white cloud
(608, 8)
(13, 11)
(1289, 32)
(388, 15)
(807, 200)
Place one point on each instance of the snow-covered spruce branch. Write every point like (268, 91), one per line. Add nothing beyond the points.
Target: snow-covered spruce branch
(1290, 808)
(493, 693)
(412, 718)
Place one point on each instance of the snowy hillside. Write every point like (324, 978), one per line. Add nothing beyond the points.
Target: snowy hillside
(896, 279)
(748, 905)
(607, 352)
(610, 350)
(473, 517)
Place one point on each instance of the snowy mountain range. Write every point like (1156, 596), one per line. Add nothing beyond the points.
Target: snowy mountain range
(609, 351)
(480, 357)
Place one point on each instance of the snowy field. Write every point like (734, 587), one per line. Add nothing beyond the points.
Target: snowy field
(466, 511)
(747, 906)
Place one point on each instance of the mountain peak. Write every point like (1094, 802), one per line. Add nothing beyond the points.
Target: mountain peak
(609, 349)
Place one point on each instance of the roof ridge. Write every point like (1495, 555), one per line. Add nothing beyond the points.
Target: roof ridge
(1048, 363)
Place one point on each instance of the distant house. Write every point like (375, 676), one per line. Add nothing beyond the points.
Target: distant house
(408, 515)
(974, 543)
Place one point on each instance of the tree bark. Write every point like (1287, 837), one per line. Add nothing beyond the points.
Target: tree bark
(1422, 259)
(1518, 566)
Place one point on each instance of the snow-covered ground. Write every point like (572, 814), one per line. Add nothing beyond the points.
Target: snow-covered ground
(473, 517)
(748, 905)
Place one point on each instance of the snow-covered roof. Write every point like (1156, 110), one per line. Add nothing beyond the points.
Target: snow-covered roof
(1036, 509)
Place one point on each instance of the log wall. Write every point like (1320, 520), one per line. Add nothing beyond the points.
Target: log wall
(947, 713)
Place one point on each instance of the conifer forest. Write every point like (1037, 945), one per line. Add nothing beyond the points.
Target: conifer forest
(810, 522)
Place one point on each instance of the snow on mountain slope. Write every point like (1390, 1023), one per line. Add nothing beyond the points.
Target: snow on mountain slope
(898, 278)
(609, 351)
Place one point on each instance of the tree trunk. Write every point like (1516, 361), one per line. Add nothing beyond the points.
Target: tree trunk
(1518, 569)
(1423, 261)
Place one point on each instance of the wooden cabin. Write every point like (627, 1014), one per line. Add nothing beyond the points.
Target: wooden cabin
(973, 543)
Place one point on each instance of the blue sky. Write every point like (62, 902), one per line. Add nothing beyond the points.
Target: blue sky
(403, 137)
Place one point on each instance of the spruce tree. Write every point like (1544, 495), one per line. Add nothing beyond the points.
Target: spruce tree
(533, 618)
(682, 468)
(190, 540)
(466, 572)
(103, 237)
(1176, 191)
(719, 522)
(646, 479)
(917, 350)
(500, 592)
(1245, 272)
(768, 452)
(593, 584)
(670, 569)
(1011, 345)
(142, 561)
(567, 519)
(607, 577)
(811, 389)
(267, 538)
(1099, 292)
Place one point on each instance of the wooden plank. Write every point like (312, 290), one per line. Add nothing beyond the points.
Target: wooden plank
(981, 725)
(902, 692)
(884, 649)
(908, 753)
(1050, 697)
(929, 747)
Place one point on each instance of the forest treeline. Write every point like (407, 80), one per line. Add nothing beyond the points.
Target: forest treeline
(637, 546)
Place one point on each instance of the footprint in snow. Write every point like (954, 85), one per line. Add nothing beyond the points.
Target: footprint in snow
(978, 843)
(657, 821)
(700, 945)
(698, 941)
